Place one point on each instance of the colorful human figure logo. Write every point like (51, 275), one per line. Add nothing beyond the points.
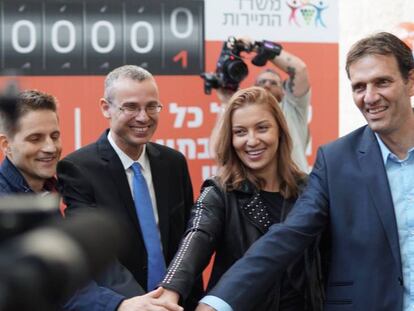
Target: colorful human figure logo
(309, 10)
(319, 7)
(294, 6)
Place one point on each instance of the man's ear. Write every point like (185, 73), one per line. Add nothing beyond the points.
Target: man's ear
(411, 82)
(105, 106)
(4, 144)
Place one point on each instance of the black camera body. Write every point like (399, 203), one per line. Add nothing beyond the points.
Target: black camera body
(44, 259)
(266, 50)
(231, 69)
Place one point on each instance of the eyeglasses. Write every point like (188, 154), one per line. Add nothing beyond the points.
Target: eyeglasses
(262, 82)
(133, 111)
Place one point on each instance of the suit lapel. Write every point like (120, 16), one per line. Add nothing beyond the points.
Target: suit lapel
(160, 179)
(159, 172)
(372, 166)
(117, 172)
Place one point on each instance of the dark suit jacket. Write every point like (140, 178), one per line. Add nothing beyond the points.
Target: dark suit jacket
(93, 177)
(348, 196)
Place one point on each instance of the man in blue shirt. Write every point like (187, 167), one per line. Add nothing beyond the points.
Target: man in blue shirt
(360, 194)
(30, 140)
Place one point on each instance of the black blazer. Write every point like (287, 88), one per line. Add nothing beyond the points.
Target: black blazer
(93, 177)
(348, 196)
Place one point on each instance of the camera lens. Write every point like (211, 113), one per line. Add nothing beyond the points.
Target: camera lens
(236, 70)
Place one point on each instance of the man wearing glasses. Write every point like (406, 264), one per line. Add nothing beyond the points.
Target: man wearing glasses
(146, 184)
(293, 95)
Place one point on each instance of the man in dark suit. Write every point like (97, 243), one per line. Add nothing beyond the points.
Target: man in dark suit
(360, 194)
(100, 176)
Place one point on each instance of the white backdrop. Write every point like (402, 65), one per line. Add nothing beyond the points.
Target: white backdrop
(269, 19)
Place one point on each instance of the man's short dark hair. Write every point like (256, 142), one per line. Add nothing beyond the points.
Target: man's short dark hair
(28, 100)
(382, 43)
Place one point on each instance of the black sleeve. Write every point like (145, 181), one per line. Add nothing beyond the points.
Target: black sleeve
(76, 189)
(204, 229)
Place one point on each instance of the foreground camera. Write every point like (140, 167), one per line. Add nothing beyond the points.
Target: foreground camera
(42, 267)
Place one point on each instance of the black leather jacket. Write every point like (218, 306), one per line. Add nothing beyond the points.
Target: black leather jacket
(228, 223)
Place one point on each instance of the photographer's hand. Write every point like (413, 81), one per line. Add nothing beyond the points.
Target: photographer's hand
(247, 42)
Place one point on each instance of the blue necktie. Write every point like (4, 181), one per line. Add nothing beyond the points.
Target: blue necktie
(143, 206)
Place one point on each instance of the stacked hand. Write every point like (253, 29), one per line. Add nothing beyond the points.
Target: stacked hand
(204, 307)
(157, 300)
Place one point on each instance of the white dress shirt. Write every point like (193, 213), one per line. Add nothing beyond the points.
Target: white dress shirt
(145, 168)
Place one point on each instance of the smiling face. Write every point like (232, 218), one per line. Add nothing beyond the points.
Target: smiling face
(35, 148)
(255, 139)
(381, 94)
(130, 133)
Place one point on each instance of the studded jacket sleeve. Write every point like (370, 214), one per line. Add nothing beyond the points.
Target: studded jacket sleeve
(199, 242)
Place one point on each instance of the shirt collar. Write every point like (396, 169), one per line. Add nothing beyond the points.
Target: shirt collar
(126, 160)
(17, 180)
(386, 153)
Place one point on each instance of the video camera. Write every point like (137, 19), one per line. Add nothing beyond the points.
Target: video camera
(231, 69)
(44, 259)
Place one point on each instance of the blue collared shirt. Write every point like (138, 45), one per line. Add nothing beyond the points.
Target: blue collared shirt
(401, 180)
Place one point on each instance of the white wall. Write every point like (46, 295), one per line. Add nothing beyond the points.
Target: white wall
(358, 18)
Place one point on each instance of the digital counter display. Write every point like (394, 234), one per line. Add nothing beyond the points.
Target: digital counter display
(91, 37)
